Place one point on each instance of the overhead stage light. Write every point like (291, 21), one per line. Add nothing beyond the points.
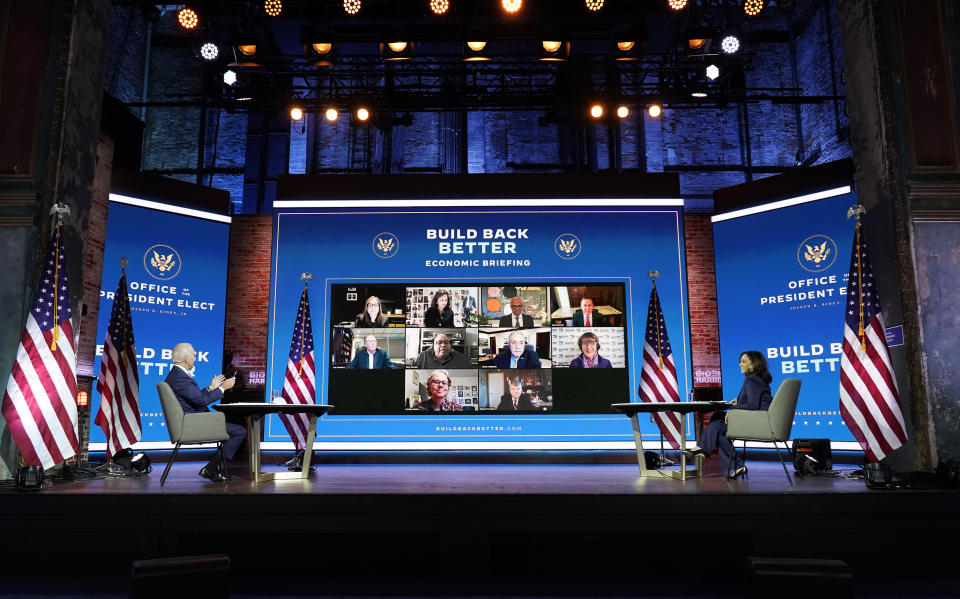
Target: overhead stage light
(677, 4)
(511, 6)
(362, 114)
(623, 111)
(272, 8)
(351, 7)
(474, 51)
(713, 71)
(187, 18)
(296, 113)
(654, 110)
(551, 49)
(752, 7)
(396, 50)
(596, 111)
(730, 44)
(439, 7)
(594, 5)
(209, 51)
(331, 114)
(229, 77)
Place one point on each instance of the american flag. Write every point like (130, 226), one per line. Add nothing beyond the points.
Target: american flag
(869, 399)
(119, 382)
(298, 383)
(40, 401)
(658, 377)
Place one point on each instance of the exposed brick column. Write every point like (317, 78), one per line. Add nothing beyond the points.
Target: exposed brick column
(702, 289)
(248, 293)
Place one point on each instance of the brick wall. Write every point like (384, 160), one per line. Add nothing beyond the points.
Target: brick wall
(702, 290)
(248, 292)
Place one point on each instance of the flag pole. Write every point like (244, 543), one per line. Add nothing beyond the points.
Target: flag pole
(653, 274)
(57, 212)
(123, 275)
(306, 278)
(857, 212)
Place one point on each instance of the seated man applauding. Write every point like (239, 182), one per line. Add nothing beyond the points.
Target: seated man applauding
(193, 399)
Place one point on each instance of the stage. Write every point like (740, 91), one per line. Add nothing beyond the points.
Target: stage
(582, 523)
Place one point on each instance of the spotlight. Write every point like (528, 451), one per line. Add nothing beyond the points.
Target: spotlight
(331, 114)
(594, 5)
(187, 17)
(272, 8)
(296, 113)
(362, 114)
(318, 46)
(698, 93)
(209, 51)
(351, 7)
(713, 71)
(474, 51)
(654, 110)
(626, 46)
(677, 4)
(439, 7)
(623, 111)
(596, 111)
(752, 7)
(554, 50)
(511, 6)
(229, 77)
(730, 44)
(396, 50)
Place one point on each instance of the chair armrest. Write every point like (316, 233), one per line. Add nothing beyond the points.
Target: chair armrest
(205, 427)
(749, 424)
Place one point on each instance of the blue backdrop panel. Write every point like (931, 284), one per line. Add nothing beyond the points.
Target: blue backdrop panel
(781, 284)
(184, 302)
(339, 246)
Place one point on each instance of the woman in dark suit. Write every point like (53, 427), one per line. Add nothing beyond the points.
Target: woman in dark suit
(754, 395)
(439, 314)
(373, 316)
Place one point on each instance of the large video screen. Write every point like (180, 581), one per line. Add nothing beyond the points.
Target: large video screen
(781, 290)
(481, 348)
(416, 343)
(177, 282)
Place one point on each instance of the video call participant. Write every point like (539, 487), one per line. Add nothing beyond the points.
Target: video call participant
(517, 355)
(372, 316)
(194, 400)
(438, 386)
(371, 357)
(586, 316)
(516, 318)
(442, 355)
(469, 304)
(439, 314)
(516, 400)
(589, 357)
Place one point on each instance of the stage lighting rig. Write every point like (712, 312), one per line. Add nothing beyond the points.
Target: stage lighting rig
(272, 8)
(188, 18)
(439, 7)
(511, 6)
(594, 5)
(654, 111)
(730, 44)
(351, 7)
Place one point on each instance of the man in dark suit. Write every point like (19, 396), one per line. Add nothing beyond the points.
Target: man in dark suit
(193, 399)
(586, 307)
(517, 318)
(371, 357)
(516, 400)
(517, 355)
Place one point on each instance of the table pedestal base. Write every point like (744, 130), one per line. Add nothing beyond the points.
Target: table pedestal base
(254, 424)
(684, 472)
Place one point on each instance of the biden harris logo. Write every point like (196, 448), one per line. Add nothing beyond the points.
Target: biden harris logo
(162, 262)
(386, 245)
(817, 253)
(567, 246)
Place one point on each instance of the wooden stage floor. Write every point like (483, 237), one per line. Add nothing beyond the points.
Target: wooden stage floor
(553, 523)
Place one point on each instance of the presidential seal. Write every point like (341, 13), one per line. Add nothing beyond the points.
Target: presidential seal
(817, 253)
(567, 246)
(386, 245)
(162, 262)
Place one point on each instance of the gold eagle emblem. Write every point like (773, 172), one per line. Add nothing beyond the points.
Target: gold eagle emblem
(568, 247)
(817, 253)
(385, 245)
(162, 263)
